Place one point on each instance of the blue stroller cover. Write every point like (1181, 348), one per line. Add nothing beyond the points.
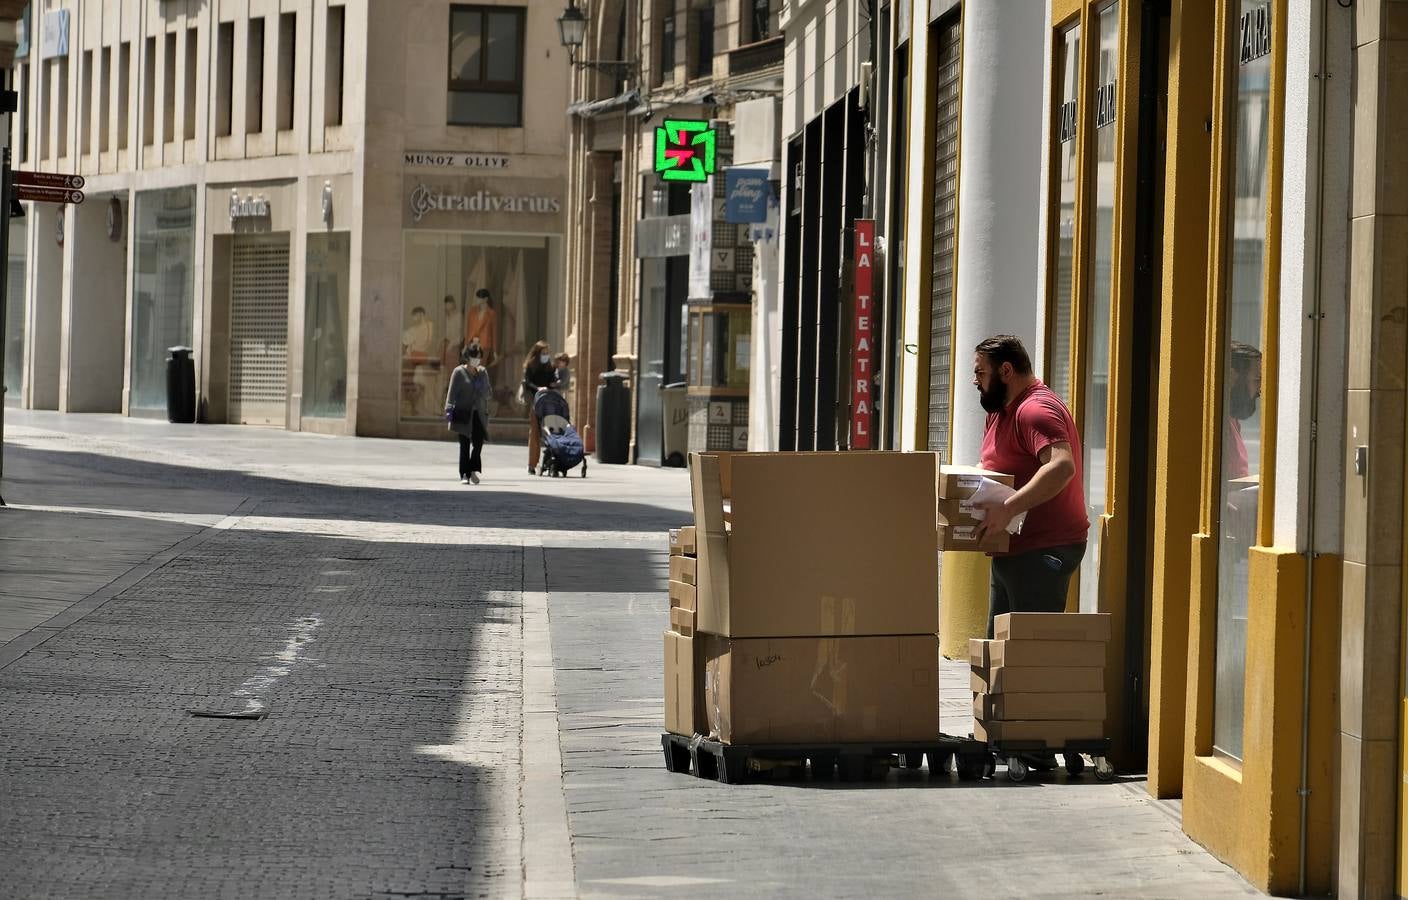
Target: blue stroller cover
(566, 448)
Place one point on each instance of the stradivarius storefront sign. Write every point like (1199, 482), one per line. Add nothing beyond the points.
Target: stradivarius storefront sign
(425, 200)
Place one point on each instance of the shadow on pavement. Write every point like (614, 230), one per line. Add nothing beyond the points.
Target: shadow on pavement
(169, 487)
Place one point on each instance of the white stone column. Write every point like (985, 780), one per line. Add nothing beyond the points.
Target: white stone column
(1000, 210)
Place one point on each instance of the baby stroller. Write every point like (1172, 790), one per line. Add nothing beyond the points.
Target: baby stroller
(562, 446)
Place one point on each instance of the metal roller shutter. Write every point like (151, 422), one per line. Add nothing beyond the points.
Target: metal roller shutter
(259, 330)
(945, 221)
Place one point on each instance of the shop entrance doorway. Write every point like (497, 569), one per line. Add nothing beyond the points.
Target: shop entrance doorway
(259, 290)
(1144, 354)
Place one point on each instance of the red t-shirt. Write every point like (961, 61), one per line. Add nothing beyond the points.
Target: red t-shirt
(1011, 443)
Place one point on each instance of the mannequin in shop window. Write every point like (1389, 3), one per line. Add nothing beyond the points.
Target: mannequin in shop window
(420, 366)
(482, 321)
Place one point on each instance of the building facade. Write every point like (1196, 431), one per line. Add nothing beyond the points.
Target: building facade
(1190, 210)
(666, 285)
(310, 208)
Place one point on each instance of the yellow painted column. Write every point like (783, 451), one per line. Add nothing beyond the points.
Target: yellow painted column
(963, 602)
(1181, 367)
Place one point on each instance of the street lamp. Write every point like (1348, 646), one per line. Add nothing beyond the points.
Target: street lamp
(572, 29)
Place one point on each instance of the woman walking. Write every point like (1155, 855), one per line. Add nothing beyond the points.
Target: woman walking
(538, 374)
(467, 411)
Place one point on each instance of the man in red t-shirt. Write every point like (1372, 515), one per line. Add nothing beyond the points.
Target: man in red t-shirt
(1031, 436)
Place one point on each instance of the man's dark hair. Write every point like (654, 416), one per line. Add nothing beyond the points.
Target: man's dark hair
(1006, 348)
(1243, 356)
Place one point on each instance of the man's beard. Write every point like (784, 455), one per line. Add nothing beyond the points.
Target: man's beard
(994, 398)
(1240, 403)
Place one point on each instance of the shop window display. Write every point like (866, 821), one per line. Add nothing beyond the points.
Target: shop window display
(163, 289)
(325, 325)
(462, 288)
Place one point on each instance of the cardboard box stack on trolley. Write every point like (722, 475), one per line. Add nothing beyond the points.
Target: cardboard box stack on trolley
(803, 622)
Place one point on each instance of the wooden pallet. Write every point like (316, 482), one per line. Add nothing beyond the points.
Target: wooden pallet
(730, 763)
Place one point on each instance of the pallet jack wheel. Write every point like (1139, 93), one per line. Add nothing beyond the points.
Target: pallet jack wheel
(1103, 770)
(1016, 768)
(1075, 763)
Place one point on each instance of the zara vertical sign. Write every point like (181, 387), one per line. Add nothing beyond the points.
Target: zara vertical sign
(862, 359)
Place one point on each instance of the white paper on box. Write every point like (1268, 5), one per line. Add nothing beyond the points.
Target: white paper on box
(992, 491)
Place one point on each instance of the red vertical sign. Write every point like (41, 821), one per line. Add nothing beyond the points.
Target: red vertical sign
(862, 371)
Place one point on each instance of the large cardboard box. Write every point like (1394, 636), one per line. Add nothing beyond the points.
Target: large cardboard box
(1045, 653)
(1052, 626)
(683, 568)
(682, 709)
(1052, 734)
(1080, 707)
(683, 595)
(965, 537)
(959, 482)
(800, 562)
(785, 690)
(682, 541)
(1067, 680)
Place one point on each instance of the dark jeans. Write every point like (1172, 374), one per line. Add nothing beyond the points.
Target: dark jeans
(470, 448)
(1035, 581)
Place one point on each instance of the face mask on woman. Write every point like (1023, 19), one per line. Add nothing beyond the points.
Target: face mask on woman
(544, 358)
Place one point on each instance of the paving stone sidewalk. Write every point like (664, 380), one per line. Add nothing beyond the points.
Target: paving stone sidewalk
(367, 616)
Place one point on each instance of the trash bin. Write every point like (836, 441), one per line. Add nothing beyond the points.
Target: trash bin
(674, 421)
(613, 419)
(180, 385)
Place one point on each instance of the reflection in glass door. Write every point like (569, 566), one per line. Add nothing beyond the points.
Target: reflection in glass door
(1244, 309)
(1100, 299)
(1065, 153)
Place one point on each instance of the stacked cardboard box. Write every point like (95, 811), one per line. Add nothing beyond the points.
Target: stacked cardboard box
(680, 682)
(1041, 679)
(957, 525)
(815, 589)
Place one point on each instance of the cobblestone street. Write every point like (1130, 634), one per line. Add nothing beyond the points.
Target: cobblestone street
(252, 663)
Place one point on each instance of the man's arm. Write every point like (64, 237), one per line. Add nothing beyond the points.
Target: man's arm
(1058, 467)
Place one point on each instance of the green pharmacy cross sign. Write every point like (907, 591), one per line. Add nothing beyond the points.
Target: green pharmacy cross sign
(684, 150)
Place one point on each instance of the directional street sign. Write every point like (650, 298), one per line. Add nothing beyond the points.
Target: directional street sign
(47, 194)
(49, 180)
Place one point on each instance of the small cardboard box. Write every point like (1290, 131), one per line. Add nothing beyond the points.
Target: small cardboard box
(1050, 733)
(1007, 680)
(1046, 653)
(1052, 626)
(682, 709)
(978, 653)
(784, 690)
(682, 541)
(683, 595)
(683, 568)
(682, 621)
(1060, 707)
(789, 567)
(965, 537)
(959, 482)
